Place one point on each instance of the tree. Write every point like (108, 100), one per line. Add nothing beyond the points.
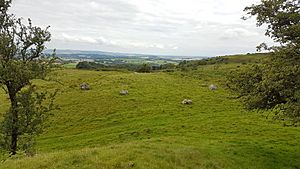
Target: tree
(275, 83)
(144, 68)
(21, 61)
(282, 18)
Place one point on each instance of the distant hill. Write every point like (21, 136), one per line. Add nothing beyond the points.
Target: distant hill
(85, 54)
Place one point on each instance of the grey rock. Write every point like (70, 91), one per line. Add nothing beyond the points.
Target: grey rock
(84, 86)
(187, 101)
(124, 92)
(131, 164)
(213, 87)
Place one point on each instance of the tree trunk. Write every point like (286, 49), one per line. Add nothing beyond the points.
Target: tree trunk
(14, 119)
(14, 132)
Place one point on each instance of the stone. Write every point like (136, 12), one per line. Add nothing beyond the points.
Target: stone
(187, 101)
(131, 164)
(124, 92)
(213, 87)
(84, 86)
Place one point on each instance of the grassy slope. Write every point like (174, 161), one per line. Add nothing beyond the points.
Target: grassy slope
(151, 129)
(248, 58)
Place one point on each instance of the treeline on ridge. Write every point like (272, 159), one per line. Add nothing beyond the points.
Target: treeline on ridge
(145, 68)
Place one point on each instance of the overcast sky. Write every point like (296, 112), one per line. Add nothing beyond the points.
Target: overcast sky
(170, 27)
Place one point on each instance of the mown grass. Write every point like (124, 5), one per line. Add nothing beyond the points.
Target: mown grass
(150, 128)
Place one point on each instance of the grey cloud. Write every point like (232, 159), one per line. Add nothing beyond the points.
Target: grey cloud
(123, 26)
(234, 33)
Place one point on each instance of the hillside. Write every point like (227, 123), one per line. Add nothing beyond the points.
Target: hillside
(150, 128)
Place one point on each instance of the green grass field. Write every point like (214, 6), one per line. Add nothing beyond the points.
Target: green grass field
(70, 65)
(150, 128)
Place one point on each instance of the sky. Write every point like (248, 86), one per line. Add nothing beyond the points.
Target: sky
(165, 27)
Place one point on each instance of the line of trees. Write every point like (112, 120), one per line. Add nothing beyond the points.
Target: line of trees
(143, 68)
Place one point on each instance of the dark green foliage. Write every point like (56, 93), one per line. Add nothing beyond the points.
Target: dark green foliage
(168, 66)
(145, 68)
(32, 112)
(142, 68)
(89, 65)
(275, 83)
(282, 18)
(99, 66)
(21, 61)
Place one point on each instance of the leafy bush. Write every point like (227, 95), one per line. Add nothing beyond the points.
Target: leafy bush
(274, 84)
(89, 65)
(145, 68)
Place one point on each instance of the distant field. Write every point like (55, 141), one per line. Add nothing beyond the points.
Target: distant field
(150, 128)
(70, 65)
(141, 61)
